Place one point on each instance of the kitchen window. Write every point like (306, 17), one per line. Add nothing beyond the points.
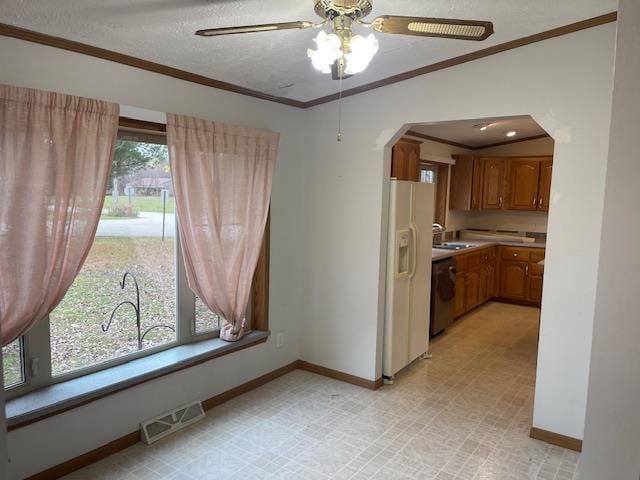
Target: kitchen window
(427, 174)
(134, 274)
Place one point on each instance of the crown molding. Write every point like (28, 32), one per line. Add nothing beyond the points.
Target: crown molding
(424, 136)
(431, 138)
(469, 57)
(102, 53)
(77, 47)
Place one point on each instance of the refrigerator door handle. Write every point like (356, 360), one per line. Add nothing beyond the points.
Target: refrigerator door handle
(414, 249)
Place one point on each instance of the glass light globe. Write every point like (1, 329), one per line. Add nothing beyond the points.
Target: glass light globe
(362, 51)
(328, 51)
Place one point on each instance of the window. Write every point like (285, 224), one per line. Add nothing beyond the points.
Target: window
(205, 319)
(133, 251)
(13, 364)
(427, 174)
(438, 174)
(136, 248)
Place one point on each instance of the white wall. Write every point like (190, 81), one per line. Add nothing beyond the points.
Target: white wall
(509, 220)
(612, 433)
(70, 434)
(565, 84)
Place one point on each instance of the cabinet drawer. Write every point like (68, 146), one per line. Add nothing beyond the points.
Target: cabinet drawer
(486, 255)
(462, 262)
(475, 258)
(517, 254)
(537, 254)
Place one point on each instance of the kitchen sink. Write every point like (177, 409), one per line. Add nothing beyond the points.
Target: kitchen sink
(452, 246)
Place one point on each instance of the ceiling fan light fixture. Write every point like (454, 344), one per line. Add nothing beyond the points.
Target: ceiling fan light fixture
(362, 51)
(328, 51)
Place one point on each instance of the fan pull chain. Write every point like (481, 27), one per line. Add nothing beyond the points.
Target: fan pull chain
(339, 139)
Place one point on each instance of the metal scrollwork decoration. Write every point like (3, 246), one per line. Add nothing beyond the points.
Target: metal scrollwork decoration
(136, 308)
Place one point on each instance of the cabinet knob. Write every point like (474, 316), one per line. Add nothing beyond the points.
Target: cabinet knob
(515, 254)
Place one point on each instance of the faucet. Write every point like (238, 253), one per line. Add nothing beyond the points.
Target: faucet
(437, 228)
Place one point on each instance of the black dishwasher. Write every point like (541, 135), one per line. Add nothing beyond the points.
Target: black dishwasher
(443, 293)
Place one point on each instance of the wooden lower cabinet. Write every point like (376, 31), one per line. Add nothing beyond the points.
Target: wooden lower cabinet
(483, 284)
(520, 274)
(475, 279)
(513, 280)
(461, 283)
(534, 290)
(472, 291)
(492, 281)
(506, 273)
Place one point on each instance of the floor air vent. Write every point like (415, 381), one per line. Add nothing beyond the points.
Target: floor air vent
(167, 423)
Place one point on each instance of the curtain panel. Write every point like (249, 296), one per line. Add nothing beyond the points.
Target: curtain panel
(55, 156)
(222, 178)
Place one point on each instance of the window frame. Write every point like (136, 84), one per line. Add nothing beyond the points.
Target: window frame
(36, 346)
(429, 167)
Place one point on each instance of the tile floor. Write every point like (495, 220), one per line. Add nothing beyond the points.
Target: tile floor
(464, 415)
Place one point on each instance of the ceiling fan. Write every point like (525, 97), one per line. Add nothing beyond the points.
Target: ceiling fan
(344, 54)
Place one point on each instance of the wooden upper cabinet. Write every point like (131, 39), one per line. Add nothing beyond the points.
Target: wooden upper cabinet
(493, 182)
(405, 160)
(522, 183)
(476, 184)
(544, 185)
(466, 183)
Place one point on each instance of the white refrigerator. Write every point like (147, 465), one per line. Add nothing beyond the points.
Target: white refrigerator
(408, 286)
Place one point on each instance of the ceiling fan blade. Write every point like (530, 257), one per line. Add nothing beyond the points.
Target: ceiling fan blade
(267, 27)
(434, 27)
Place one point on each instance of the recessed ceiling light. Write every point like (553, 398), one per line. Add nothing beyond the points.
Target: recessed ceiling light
(511, 133)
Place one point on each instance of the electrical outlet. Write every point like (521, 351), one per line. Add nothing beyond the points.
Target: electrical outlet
(280, 340)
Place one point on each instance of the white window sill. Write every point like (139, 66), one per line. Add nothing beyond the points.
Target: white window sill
(60, 397)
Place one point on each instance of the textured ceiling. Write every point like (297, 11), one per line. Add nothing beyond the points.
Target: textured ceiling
(465, 133)
(275, 62)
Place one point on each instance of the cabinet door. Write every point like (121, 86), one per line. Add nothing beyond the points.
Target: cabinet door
(461, 183)
(491, 281)
(513, 280)
(493, 182)
(534, 289)
(399, 167)
(472, 293)
(483, 284)
(544, 186)
(461, 283)
(476, 183)
(522, 187)
(405, 160)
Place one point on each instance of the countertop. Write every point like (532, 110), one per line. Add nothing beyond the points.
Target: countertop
(440, 254)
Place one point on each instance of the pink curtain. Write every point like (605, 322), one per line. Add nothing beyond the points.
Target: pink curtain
(55, 156)
(222, 180)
